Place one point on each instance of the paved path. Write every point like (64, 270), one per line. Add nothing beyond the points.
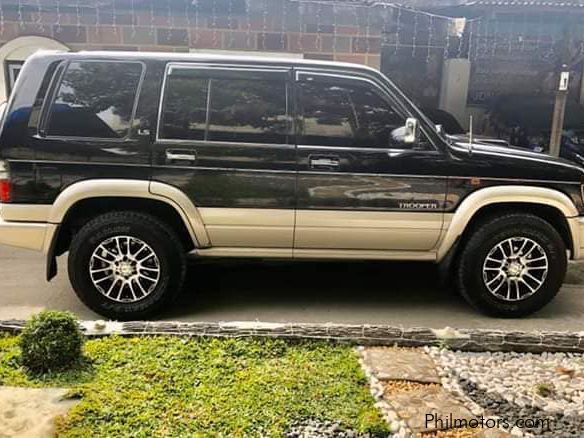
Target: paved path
(402, 294)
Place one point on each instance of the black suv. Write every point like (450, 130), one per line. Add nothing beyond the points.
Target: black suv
(131, 161)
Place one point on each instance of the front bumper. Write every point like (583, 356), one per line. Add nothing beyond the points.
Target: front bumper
(29, 235)
(577, 230)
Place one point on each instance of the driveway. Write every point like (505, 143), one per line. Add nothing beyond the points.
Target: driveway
(403, 294)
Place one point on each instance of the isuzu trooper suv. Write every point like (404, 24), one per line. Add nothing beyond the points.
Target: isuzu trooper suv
(132, 161)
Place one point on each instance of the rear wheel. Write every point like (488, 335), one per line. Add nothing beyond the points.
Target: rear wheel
(126, 265)
(512, 265)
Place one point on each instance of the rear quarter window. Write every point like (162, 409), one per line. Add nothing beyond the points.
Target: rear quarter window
(95, 99)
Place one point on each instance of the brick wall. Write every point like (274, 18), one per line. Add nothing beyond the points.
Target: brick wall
(351, 33)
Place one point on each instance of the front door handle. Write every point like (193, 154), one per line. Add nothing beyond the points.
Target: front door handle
(180, 155)
(330, 162)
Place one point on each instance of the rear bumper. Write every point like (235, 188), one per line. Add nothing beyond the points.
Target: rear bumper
(29, 235)
(26, 226)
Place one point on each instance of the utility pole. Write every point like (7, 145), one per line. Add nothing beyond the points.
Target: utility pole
(559, 112)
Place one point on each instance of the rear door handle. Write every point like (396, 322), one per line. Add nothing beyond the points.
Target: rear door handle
(324, 162)
(180, 155)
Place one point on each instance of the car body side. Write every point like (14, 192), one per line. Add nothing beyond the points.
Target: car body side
(416, 210)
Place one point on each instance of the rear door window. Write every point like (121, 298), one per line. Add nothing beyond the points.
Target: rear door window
(184, 115)
(248, 111)
(95, 99)
(211, 106)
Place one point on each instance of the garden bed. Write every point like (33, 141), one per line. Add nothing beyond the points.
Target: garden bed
(171, 386)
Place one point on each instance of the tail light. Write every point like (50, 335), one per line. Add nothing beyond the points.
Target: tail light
(5, 183)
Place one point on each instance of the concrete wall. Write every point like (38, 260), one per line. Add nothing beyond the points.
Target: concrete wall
(454, 89)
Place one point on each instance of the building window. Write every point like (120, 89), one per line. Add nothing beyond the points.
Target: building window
(95, 100)
(12, 71)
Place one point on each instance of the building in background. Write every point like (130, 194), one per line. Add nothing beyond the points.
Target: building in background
(497, 60)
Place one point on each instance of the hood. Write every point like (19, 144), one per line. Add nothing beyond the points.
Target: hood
(465, 138)
(514, 162)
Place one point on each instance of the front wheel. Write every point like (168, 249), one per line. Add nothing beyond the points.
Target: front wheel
(126, 265)
(512, 265)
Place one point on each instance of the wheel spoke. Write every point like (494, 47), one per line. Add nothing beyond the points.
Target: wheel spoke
(121, 290)
(103, 279)
(132, 289)
(144, 293)
(147, 278)
(495, 278)
(502, 249)
(95, 271)
(508, 289)
(536, 260)
(517, 291)
(511, 249)
(140, 250)
(538, 282)
(118, 245)
(527, 284)
(533, 246)
(145, 258)
(525, 241)
(111, 288)
(107, 251)
(536, 268)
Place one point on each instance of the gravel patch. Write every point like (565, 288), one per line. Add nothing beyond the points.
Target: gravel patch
(322, 429)
(515, 386)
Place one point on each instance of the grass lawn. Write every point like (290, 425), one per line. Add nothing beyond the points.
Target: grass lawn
(170, 386)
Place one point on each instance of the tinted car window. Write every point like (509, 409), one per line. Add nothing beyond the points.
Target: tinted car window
(185, 108)
(248, 111)
(351, 115)
(95, 99)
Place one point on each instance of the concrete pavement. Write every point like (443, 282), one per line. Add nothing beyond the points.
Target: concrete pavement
(402, 294)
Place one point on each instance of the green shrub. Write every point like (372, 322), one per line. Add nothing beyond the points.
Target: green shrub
(51, 341)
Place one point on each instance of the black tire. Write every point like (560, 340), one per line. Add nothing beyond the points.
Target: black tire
(469, 269)
(160, 238)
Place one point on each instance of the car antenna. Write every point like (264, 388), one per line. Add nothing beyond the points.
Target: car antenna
(470, 137)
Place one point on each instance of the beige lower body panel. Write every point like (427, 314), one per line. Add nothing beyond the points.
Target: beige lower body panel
(351, 235)
(248, 227)
(25, 235)
(315, 254)
(366, 230)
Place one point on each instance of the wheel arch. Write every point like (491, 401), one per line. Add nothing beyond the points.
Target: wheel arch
(84, 200)
(552, 205)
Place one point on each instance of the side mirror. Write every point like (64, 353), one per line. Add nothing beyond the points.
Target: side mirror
(412, 130)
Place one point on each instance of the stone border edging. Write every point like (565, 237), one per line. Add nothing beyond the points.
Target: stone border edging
(464, 339)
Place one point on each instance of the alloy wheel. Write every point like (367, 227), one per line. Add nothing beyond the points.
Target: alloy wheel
(515, 269)
(124, 269)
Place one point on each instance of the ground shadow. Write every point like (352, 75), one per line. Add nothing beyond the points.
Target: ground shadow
(217, 285)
